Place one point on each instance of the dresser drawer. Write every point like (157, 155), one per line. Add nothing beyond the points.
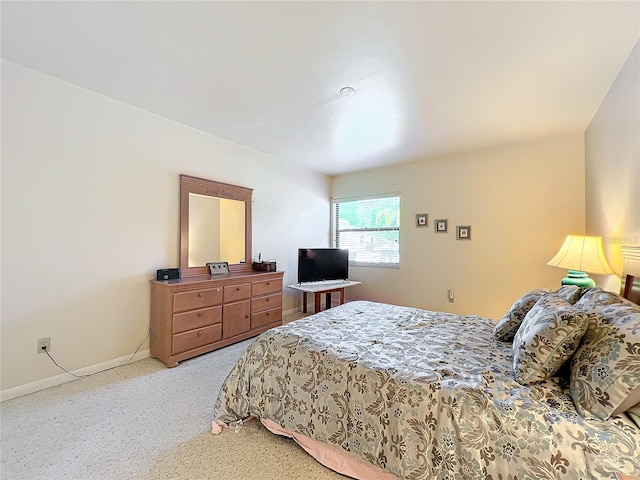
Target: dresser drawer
(267, 286)
(184, 301)
(183, 342)
(265, 303)
(233, 293)
(266, 317)
(236, 318)
(196, 319)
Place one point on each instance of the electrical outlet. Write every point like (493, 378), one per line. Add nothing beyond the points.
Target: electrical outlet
(44, 342)
(451, 296)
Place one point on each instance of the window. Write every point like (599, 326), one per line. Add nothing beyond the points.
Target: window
(369, 227)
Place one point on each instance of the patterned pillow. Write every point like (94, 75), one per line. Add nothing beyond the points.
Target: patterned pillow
(510, 322)
(634, 413)
(550, 333)
(605, 371)
(632, 400)
(571, 293)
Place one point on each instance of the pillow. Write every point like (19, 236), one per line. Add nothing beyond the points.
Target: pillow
(571, 293)
(605, 371)
(606, 304)
(549, 335)
(509, 323)
(634, 413)
(632, 400)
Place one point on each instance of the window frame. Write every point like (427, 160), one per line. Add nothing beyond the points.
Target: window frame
(335, 224)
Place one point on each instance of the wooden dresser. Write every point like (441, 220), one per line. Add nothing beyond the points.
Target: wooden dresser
(194, 315)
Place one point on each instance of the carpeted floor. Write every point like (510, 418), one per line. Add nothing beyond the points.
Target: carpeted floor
(143, 421)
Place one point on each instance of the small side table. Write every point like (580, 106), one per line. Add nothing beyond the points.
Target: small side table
(318, 288)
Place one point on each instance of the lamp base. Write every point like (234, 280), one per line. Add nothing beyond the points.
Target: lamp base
(578, 278)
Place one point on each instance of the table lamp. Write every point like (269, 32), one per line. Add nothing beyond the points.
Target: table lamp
(581, 254)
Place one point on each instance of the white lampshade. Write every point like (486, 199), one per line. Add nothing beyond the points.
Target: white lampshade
(582, 253)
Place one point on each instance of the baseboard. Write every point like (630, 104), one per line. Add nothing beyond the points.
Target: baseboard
(290, 311)
(45, 383)
(310, 308)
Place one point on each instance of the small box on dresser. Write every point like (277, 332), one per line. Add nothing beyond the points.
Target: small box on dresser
(195, 315)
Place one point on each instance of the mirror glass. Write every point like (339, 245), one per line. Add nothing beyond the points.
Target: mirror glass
(216, 230)
(215, 225)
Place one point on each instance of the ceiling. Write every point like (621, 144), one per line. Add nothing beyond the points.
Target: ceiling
(431, 78)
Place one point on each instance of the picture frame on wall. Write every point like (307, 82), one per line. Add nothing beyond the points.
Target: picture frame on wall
(463, 232)
(441, 225)
(422, 220)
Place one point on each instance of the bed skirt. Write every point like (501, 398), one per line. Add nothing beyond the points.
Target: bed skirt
(332, 456)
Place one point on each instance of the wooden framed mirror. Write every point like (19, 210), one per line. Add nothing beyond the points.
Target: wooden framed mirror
(215, 225)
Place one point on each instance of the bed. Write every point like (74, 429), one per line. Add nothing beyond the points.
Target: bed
(383, 391)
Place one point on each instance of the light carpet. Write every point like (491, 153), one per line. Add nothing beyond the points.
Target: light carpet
(143, 421)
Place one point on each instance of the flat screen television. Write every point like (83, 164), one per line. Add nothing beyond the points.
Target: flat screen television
(320, 264)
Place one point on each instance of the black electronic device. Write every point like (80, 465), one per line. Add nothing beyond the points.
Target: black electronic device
(167, 274)
(321, 264)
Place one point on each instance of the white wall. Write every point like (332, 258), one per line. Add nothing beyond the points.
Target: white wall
(612, 157)
(520, 200)
(90, 208)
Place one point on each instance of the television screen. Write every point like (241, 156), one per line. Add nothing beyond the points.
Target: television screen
(318, 264)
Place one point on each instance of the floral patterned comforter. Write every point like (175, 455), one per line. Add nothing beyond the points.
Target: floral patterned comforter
(424, 395)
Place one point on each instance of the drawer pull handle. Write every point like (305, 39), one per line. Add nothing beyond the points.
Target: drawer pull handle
(267, 299)
(267, 314)
(199, 333)
(237, 288)
(200, 314)
(201, 294)
(268, 283)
